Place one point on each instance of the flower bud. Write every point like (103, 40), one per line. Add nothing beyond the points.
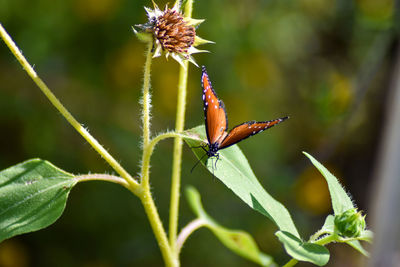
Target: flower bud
(350, 223)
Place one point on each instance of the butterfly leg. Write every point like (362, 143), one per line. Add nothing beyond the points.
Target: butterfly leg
(217, 156)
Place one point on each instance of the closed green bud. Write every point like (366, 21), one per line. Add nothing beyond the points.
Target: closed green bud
(350, 223)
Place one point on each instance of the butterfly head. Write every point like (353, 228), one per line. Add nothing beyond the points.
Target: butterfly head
(213, 150)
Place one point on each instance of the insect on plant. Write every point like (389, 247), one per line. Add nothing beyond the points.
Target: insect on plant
(33, 194)
(216, 121)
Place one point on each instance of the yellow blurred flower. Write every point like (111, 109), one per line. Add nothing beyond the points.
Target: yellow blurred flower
(376, 9)
(312, 192)
(95, 10)
(341, 93)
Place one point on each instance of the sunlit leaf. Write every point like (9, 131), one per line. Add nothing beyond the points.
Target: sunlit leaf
(235, 172)
(238, 241)
(341, 201)
(366, 235)
(329, 225)
(303, 251)
(33, 195)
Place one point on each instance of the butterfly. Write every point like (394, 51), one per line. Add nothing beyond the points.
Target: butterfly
(216, 122)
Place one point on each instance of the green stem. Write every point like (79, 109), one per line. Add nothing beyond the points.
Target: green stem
(177, 155)
(145, 193)
(317, 235)
(187, 231)
(291, 263)
(146, 102)
(158, 229)
(65, 113)
(177, 152)
(102, 177)
(147, 96)
(148, 151)
(327, 239)
(162, 136)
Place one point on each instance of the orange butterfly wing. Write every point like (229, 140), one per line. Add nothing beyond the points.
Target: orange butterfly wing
(246, 130)
(214, 112)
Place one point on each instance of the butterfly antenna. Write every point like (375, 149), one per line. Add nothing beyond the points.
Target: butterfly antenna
(201, 146)
(198, 162)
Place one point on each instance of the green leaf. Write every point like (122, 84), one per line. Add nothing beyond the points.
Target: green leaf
(238, 241)
(341, 201)
(303, 251)
(327, 228)
(329, 225)
(366, 235)
(235, 172)
(33, 195)
(357, 245)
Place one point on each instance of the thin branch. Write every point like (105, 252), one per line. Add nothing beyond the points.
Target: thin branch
(187, 231)
(177, 152)
(65, 113)
(102, 177)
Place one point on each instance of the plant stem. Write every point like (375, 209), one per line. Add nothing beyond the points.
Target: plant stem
(291, 263)
(146, 102)
(187, 231)
(65, 113)
(145, 193)
(158, 229)
(177, 152)
(162, 136)
(147, 96)
(317, 234)
(102, 177)
(177, 156)
(327, 239)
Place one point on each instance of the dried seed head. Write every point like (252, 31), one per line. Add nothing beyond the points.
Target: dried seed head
(173, 33)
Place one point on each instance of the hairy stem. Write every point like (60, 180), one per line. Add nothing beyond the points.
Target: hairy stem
(147, 96)
(177, 152)
(326, 239)
(102, 177)
(146, 102)
(145, 193)
(134, 186)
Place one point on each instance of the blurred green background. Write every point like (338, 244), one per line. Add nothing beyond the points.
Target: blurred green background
(326, 63)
